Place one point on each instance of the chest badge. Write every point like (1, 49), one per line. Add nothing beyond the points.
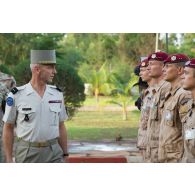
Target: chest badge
(55, 101)
(26, 118)
(168, 116)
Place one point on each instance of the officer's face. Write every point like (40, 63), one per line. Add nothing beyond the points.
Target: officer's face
(171, 72)
(144, 74)
(155, 68)
(47, 73)
(189, 78)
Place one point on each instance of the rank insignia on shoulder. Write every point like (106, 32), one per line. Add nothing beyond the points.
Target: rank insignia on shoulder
(14, 90)
(58, 89)
(10, 101)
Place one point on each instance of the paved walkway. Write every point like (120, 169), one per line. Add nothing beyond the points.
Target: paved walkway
(106, 149)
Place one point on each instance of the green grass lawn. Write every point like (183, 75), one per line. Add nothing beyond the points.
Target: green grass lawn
(103, 101)
(101, 125)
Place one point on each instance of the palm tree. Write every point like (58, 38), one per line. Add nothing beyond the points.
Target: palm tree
(99, 82)
(121, 92)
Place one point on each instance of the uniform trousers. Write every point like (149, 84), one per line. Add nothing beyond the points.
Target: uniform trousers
(28, 152)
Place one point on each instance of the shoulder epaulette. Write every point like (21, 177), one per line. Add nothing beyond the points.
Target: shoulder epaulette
(55, 87)
(14, 90)
(58, 89)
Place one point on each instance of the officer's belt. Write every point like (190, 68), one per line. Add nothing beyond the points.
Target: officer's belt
(38, 144)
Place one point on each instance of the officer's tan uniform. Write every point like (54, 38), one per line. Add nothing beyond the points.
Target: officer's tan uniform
(155, 119)
(171, 136)
(37, 123)
(145, 110)
(189, 133)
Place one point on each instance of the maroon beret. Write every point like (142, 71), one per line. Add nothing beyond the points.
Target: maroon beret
(144, 63)
(176, 58)
(159, 56)
(190, 63)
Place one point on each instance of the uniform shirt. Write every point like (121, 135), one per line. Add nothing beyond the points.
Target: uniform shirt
(36, 118)
(189, 133)
(171, 136)
(145, 110)
(156, 113)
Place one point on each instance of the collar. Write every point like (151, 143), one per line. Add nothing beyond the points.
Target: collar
(158, 86)
(175, 89)
(193, 103)
(146, 91)
(29, 89)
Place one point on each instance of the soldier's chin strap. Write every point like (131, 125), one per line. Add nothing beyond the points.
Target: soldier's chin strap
(138, 103)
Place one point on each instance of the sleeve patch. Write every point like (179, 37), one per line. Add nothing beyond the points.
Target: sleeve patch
(184, 101)
(10, 101)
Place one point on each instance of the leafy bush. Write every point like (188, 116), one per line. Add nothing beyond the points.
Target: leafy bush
(72, 86)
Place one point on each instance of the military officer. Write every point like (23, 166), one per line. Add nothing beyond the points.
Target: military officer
(171, 137)
(189, 119)
(37, 109)
(155, 71)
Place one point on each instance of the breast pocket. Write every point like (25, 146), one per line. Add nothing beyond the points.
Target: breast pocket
(154, 112)
(55, 112)
(26, 114)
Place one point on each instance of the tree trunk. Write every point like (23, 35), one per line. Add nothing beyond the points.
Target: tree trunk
(97, 96)
(124, 113)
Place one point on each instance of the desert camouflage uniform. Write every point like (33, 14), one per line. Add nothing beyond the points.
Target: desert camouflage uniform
(189, 133)
(145, 110)
(171, 137)
(154, 121)
(7, 82)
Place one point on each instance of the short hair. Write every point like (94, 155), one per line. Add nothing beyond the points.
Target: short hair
(180, 64)
(32, 66)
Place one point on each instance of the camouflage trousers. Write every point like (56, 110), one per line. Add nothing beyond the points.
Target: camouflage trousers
(151, 155)
(143, 154)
